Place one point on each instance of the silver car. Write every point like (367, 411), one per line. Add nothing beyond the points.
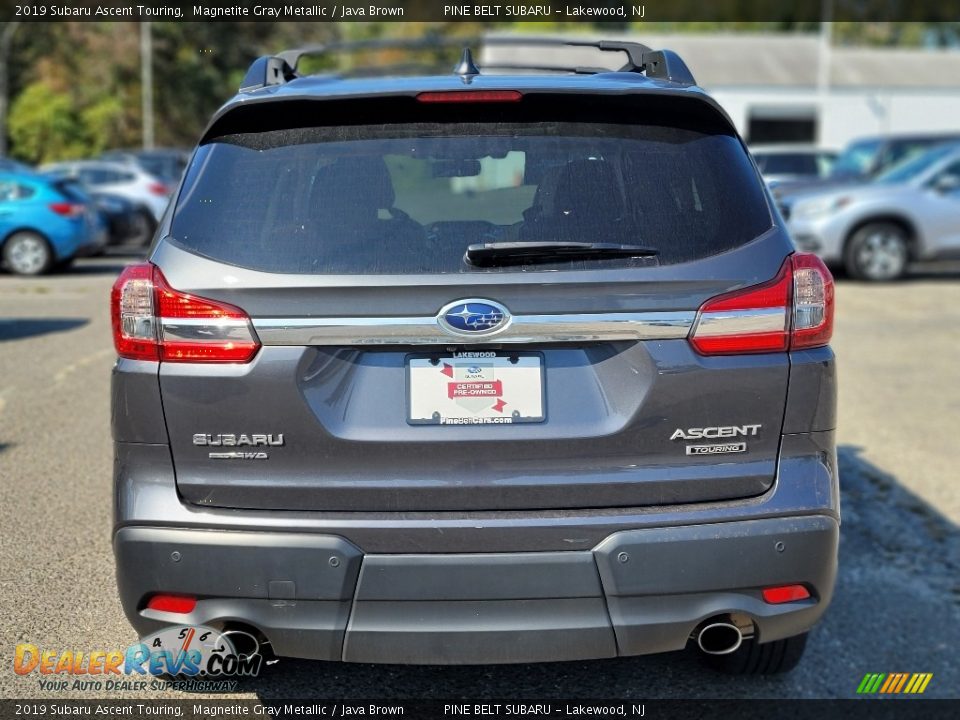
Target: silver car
(910, 212)
(148, 193)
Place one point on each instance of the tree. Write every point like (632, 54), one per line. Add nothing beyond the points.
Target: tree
(44, 125)
(90, 71)
(6, 40)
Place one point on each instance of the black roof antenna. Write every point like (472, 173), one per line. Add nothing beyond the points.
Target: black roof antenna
(467, 69)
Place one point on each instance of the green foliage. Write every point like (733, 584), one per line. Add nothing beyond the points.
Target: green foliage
(45, 126)
(103, 123)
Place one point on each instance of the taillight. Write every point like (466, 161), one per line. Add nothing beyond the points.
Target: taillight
(753, 320)
(812, 302)
(152, 321)
(158, 189)
(790, 312)
(68, 209)
(470, 96)
(131, 310)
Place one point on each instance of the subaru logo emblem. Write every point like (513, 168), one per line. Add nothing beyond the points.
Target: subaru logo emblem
(474, 317)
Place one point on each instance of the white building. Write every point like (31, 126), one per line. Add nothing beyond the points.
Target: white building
(774, 89)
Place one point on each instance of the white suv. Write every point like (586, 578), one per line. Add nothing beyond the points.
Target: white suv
(147, 192)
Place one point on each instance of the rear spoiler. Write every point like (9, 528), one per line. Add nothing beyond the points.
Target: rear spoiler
(263, 114)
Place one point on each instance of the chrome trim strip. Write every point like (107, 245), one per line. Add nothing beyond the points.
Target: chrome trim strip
(205, 329)
(427, 331)
(218, 322)
(741, 322)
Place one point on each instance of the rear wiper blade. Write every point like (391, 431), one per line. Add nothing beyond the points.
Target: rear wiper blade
(496, 253)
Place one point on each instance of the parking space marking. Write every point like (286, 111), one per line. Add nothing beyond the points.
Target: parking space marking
(65, 372)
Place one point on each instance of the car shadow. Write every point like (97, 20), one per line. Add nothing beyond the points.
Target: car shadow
(99, 266)
(21, 328)
(133, 252)
(941, 270)
(896, 608)
(934, 270)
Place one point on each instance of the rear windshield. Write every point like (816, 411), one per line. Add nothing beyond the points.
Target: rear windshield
(410, 198)
(71, 190)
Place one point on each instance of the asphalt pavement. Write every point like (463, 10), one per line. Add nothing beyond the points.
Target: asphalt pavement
(896, 607)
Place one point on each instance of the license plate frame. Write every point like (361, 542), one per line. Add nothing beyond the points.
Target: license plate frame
(500, 376)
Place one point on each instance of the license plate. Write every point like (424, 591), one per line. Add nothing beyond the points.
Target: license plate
(475, 389)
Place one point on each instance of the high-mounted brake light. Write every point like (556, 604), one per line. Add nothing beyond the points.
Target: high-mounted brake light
(152, 321)
(470, 96)
(791, 312)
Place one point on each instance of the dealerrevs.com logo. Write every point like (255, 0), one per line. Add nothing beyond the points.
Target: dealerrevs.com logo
(179, 651)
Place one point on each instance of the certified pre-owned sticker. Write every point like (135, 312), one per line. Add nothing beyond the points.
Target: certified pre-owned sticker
(717, 449)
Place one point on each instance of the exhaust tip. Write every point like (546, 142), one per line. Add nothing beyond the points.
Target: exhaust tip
(248, 640)
(719, 638)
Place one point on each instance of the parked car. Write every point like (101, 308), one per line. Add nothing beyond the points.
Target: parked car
(8, 165)
(865, 159)
(150, 195)
(125, 225)
(910, 212)
(167, 164)
(785, 163)
(44, 223)
(492, 365)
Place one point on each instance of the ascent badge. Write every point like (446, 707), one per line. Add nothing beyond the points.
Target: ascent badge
(714, 433)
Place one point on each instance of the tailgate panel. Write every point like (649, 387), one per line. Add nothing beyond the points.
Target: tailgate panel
(612, 409)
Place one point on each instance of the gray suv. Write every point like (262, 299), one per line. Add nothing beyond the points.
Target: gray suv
(477, 368)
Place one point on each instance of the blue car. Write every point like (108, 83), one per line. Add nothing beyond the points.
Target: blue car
(45, 223)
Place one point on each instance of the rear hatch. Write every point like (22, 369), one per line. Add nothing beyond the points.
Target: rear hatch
(402, 371)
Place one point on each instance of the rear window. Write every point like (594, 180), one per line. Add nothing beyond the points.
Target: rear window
(410, 197)
(71, 190)
(164, 167)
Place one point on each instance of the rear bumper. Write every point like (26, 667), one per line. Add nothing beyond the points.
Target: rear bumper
(638, 591)
(483, 587)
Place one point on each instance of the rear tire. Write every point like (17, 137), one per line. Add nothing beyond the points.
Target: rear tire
(752, 658)
(27, 253)
(144, 228)
(877, 252)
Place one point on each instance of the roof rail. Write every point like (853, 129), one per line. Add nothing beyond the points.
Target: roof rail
(282, 67)
(660, 64)
(572, 69)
